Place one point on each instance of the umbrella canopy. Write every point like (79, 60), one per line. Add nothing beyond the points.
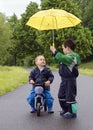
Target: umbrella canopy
(52, 19)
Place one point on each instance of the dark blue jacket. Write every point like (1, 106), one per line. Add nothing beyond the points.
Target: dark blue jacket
(64, 71)
(40, 77)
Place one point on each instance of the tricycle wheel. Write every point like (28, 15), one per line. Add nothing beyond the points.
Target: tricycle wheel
(38, 109)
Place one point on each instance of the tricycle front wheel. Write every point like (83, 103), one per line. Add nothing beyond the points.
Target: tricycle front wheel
(38, 109)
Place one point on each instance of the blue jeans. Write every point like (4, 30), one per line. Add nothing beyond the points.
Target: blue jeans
(48, 96)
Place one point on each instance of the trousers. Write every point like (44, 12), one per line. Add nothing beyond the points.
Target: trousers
(67, 94)
(48, 97)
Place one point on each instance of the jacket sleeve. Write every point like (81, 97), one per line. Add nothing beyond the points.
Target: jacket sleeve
(61, 58)
(66, 59)
(50, 76)
(31, 76)
(78, 60)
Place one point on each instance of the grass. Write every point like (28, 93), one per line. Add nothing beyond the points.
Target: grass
(11, 77)
(87, 65)
(86, 68)
(88, 72)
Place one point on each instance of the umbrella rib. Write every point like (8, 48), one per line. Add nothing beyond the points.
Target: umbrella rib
(41, 22)
(71, 22)
(56, 23)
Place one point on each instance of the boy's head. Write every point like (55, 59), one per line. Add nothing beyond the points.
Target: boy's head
(68, 46)
(40, 61)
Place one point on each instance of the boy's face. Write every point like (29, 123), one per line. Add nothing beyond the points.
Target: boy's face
(40, 61)
(65, 50)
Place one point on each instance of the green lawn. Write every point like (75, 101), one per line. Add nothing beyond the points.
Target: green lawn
(86, 68)
(11, 77)
(88, 65)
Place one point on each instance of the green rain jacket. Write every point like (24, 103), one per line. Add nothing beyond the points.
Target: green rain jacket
(68, 64)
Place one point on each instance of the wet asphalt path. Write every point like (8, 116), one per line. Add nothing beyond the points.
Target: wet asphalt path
(15, 115)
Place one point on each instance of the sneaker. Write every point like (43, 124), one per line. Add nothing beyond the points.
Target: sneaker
(62, 113)
(50, 110)
(32, 110)
(69, 115)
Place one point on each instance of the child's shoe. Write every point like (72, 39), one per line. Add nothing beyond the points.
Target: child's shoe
(69, 115)
(50, 110)
(62, 113)
(32, 110)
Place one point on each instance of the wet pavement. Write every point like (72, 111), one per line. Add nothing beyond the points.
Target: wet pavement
(15, 112)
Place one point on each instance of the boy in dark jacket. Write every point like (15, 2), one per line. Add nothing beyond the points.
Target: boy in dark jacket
(68, 71)
(41, 75)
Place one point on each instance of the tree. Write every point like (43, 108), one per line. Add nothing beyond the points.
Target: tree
(28, 35)
(15, 48)
(86, 12)
(5, 42)
(80, 34)
(87, 16)
(28, 42)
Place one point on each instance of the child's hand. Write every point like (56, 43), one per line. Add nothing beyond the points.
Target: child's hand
(47, 83)
(31, 82)
(53, 49)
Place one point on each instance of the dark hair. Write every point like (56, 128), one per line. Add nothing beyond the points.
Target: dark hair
(69, 43)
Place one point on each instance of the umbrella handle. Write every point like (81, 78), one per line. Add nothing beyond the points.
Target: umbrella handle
(53, 38)
(53, 44)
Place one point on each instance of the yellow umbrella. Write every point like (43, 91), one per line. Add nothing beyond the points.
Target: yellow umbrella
(52, 19)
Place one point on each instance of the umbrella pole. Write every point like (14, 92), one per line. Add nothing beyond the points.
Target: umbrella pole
(53, 37)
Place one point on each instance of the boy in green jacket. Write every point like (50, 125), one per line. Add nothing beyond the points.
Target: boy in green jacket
(68, 70)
